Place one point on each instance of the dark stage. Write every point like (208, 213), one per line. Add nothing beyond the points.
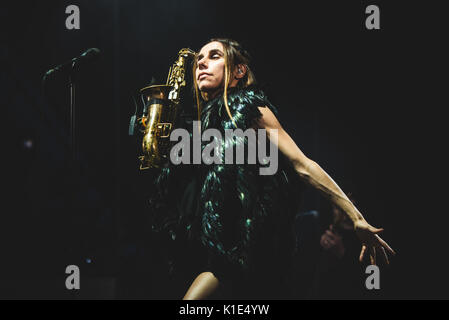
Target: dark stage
(364, 104)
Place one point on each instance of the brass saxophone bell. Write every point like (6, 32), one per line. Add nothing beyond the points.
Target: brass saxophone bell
(157, 124)
(161, 105)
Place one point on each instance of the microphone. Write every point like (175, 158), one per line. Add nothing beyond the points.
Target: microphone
(87, 56)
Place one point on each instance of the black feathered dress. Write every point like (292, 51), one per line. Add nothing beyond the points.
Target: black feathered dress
(228, 218)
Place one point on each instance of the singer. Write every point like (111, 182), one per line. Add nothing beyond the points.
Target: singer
(226, 228)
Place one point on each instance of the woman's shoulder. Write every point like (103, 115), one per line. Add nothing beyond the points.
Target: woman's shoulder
(251, 96)
(246, 105)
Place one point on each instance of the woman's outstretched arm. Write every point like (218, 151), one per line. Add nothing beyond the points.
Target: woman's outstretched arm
(314, 175)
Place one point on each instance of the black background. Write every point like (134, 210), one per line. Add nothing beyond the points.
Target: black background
(365, 104)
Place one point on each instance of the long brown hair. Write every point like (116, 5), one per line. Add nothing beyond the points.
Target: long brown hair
(234, 55)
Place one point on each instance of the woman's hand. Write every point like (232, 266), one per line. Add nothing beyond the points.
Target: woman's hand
(371, 242)
(333, 242)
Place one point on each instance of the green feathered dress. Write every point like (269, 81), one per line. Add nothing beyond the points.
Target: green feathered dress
(227, 218)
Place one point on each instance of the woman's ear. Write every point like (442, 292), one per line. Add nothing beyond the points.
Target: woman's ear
(240, 71)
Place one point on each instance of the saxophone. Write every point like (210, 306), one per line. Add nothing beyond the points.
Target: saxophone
(161, 104)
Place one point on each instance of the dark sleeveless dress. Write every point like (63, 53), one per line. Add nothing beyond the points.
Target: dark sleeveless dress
(227, 218)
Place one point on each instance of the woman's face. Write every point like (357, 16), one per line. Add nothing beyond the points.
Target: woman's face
(210, 68)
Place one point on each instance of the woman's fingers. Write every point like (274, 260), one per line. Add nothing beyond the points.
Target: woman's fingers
(324, 242)
(384, 254)
(385, 245)
(330, 234)
(327, 243)
(373, 256)
(362, 253)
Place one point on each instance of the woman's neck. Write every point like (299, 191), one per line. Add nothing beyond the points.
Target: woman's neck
(214, 94)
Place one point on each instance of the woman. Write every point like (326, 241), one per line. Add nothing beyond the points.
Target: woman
(240, 219)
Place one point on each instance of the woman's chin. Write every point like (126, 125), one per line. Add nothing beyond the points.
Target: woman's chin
(207, 88)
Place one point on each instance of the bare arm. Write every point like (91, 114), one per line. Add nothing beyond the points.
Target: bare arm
(308, 169)
(314, 175)
(202, 287)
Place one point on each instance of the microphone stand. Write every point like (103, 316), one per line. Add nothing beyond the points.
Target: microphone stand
(72, 109)
(74, 167)
(70, 254)
(74, 243)
(72, 132)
